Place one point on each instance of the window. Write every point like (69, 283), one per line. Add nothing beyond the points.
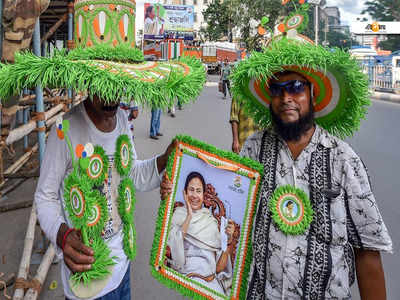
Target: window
(184, 2)
(205, 1)
(195, 17)
(194, 2)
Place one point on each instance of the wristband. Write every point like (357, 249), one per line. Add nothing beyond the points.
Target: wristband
(65, 237)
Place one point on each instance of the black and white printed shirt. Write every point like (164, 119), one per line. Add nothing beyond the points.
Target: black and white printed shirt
(355, 219)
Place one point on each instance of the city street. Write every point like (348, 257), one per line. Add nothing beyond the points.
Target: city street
(378, 144)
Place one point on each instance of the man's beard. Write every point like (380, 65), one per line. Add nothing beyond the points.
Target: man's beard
(293, 131)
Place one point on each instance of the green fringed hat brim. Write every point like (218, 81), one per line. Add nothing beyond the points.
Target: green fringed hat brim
(339, 86)
(110, 73)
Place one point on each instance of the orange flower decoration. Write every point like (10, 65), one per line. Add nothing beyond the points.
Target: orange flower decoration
(281, 27)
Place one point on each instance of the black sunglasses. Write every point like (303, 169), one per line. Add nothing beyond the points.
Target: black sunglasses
(292, 87)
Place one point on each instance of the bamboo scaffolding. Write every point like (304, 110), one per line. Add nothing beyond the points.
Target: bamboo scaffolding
(26, 255)
(53, 28)
(41, 274)
(23, 130)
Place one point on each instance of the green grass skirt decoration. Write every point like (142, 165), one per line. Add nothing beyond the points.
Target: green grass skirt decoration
(291, 209)
(352, 94)
(100, 266)
(77, 70)
(123, 155)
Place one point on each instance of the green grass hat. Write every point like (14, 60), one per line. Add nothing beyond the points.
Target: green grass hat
(105, 62)
(340, 88)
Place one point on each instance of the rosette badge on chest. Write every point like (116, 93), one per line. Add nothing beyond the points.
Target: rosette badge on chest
(291, 209)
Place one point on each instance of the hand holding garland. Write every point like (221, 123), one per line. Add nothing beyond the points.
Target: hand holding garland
(162, 159)
(77, 256)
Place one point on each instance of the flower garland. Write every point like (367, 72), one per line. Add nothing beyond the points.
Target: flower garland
(87, 207)
(126, 193)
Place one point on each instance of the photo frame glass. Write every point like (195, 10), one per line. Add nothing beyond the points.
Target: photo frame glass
(203, 235)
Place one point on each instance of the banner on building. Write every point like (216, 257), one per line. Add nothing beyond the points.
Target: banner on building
(376, 27)
(163, 20)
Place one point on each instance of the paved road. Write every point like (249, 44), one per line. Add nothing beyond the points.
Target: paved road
(207, 119)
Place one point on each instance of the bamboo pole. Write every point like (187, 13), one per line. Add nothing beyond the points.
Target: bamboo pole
(53, 28)
(23, 130)
(41, 274)
(26, 255)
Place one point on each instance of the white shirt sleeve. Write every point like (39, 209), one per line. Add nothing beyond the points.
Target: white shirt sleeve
(144, 174)
(47, 197)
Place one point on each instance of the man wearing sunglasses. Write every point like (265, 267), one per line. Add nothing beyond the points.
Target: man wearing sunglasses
(321, 262)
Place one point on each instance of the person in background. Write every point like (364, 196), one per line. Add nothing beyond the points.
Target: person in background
(132, 111)
(155, 123)
(242, 125)
(225, 72)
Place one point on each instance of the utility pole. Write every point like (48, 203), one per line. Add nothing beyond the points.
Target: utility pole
(316, 24)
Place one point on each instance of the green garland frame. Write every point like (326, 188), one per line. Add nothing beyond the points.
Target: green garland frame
(122, 170)
(158, 268)
(305, 222)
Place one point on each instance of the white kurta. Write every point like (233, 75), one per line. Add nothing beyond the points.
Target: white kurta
(199, 251)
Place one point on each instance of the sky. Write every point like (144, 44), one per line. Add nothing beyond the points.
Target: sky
(350, 10)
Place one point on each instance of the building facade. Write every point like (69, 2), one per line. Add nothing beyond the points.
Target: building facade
(199, 7)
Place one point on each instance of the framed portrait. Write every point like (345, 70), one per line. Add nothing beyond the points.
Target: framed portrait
(202, 244)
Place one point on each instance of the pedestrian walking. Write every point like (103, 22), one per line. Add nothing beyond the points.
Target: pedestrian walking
(132, 112)
(155, 122)
(225, 72)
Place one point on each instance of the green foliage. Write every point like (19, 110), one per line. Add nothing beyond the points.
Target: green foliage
(340, 40)
(221, 17)
(392, 43)
(383, 10)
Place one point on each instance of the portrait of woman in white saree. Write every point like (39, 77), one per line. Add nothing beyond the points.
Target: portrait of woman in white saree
(202, 243)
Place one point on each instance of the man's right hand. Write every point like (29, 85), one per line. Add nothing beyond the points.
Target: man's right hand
(77, 256)
(235, 146)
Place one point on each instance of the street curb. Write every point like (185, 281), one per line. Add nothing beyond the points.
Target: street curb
(386, 97)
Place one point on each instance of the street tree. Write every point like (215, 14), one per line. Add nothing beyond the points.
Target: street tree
(385, 10)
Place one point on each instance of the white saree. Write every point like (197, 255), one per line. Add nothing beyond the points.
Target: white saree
(200, 250)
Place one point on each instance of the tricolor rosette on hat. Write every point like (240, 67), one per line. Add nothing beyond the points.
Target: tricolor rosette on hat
(123, 155)
(340, 88)
(106, 63)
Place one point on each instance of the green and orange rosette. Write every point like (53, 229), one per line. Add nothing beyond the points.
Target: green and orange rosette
(97, 168)
(123, 155)
(291, 210)
(126, 200)
(130, 240)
